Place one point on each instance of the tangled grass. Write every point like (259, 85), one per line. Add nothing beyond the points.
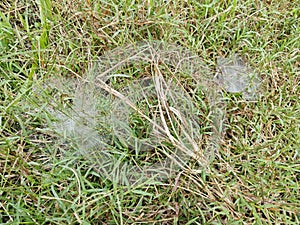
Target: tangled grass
(254, 178)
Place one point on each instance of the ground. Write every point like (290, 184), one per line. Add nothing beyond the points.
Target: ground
(254, 179)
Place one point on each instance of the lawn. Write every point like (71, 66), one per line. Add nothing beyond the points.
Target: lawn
(49, 176)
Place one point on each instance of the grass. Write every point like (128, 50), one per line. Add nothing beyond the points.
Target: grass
(254, 179)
